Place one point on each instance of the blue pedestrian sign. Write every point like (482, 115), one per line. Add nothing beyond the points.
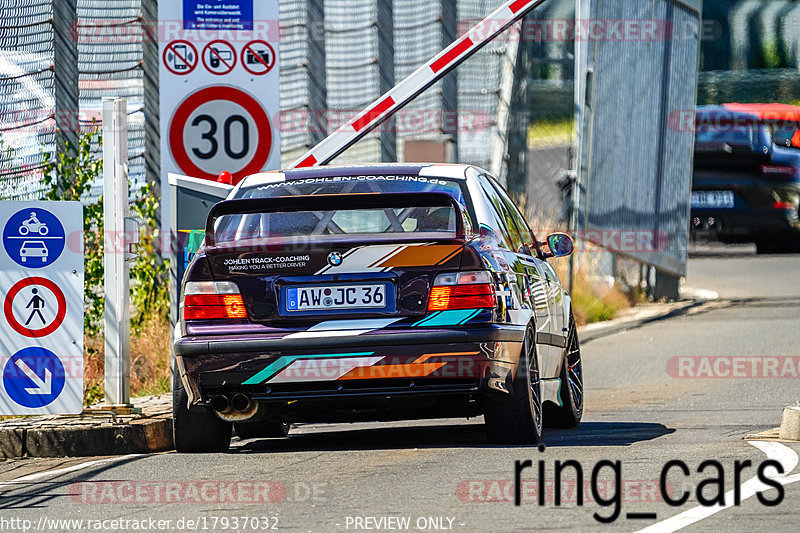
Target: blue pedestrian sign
(33, 238)
(34, 377)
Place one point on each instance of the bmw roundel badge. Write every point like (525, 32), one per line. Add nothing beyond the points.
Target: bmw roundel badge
(335, 259)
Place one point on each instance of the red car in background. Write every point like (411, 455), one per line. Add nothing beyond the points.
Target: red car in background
(784, 121)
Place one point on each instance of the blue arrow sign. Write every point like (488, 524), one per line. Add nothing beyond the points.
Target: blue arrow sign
(34, 377)
(33, 238)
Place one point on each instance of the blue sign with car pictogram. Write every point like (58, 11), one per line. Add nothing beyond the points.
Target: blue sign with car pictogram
(34, 238)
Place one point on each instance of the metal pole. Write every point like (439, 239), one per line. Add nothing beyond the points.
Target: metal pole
(117, 295)
(65, 73)
(449, 14)
(385, 30)
(317, 87)
(152, 132)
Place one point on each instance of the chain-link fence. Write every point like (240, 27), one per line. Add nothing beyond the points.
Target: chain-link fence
(107, 37)
(27, 103)
(551, 133)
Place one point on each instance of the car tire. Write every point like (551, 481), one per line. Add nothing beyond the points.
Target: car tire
(569, 413)
(518, 418)
(202, 432)
(261, 430)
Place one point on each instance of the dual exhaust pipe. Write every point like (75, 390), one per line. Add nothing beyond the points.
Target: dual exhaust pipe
(238, 407)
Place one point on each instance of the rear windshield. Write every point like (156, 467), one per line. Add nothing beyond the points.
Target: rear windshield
(737, 135)
(416, 221)
(419, 221)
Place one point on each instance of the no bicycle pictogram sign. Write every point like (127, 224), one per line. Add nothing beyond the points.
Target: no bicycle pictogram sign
(180, 57)
(258, 57)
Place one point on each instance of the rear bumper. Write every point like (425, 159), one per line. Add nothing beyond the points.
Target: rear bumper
(366, 369)
(215, 345)
(745, 225)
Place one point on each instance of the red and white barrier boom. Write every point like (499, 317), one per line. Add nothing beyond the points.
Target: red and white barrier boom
(408, 89)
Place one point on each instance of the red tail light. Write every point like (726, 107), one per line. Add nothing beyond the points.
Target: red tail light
(462, 290)
(209, 300)
(784, 205)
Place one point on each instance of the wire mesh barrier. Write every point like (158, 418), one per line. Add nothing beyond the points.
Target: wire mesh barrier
(645, 186)
(303, 88)
(358, 53)
(110, 37)
(27, 103)
(551, 71)
(421, 30)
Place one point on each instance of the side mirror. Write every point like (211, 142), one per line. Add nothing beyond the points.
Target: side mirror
(560, 244)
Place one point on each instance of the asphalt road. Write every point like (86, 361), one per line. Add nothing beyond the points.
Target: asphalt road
(646, 405)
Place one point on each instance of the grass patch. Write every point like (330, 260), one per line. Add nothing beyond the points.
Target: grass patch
(596, 302)
(554, 131)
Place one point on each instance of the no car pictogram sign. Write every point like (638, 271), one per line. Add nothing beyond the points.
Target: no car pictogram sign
(180, 57)
(217, 129)
(32, 302)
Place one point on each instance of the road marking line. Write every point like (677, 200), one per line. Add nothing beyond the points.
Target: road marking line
(66, 470)
(773, 450)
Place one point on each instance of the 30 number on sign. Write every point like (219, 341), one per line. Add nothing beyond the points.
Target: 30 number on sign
(228, 136)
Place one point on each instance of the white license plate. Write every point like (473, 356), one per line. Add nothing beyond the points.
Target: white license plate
(712, 199)
(331, 297)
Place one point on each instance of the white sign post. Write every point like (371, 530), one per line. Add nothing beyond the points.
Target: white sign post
(118, 235)
(41, 286)
(219, 89)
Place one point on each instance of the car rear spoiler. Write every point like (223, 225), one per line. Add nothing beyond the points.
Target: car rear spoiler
(325, 202)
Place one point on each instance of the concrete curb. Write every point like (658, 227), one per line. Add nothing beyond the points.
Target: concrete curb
(144, 435)
(643, 315)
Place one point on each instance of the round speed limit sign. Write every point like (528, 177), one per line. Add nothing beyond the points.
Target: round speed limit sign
(220, 129)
